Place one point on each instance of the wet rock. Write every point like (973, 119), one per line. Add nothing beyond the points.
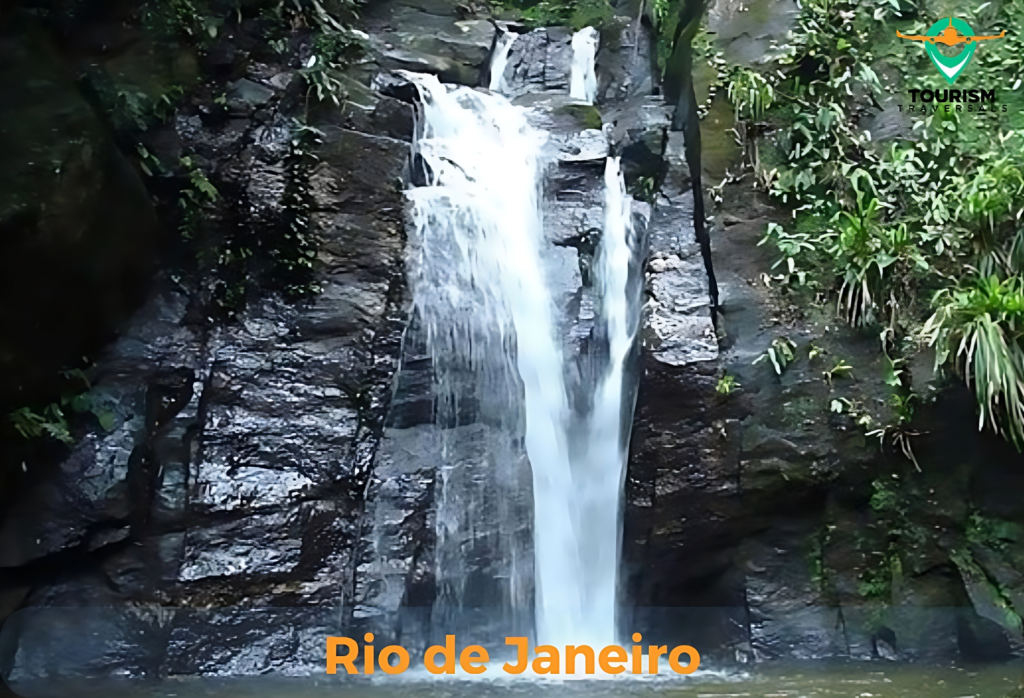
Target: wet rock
(249, 642)
(539, 61)
(987, 599)
(235, 457)
(359, 173)
(624, 61)
(793, 627)
(678, 328)
(122, 642)
(466, 42)
(386, 116)
(245, 95)
(261, 544)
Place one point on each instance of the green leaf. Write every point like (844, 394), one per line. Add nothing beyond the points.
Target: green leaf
(106, 418)
(890, 374)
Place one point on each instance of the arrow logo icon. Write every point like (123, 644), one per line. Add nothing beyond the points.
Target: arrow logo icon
(950, 33)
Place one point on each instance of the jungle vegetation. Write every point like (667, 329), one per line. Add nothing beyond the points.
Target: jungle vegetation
(916, 237)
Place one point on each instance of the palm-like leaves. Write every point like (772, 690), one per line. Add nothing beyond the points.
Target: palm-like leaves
(981, 326)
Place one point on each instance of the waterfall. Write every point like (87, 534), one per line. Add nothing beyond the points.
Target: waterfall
(500, 59)
(601, 474)
(583, 79)
(480, 228)
(480, 290)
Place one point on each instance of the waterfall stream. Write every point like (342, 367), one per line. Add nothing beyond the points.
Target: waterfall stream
(583, 78)
(481, 290)
(480, 226)
(500, 59)
(600, 476)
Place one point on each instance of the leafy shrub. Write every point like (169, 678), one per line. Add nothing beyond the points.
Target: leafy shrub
(978, 327)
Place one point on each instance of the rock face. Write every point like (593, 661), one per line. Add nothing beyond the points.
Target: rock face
(763, 523)
(74, 215)
(539, 62)
(232, 471)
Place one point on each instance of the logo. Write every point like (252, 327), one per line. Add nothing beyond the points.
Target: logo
(950, 33)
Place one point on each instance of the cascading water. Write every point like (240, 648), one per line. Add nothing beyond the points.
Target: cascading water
(600, 474)
(583, 78)
(479, 224)
(480, 289)
(500, 59)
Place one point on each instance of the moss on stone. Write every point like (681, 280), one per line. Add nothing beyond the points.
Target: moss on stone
(586, 115)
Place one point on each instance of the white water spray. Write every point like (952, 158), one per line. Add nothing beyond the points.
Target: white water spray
(500, 60)
(583, 78)
(479, 285)
(601, 475)
(479, 224)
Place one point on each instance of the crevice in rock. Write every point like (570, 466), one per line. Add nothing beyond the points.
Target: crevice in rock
(678, 89)
(80, 558)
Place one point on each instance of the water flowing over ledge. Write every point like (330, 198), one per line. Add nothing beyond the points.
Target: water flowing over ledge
(479, 223)
(583, 79)
(499, 59)
(481, 291)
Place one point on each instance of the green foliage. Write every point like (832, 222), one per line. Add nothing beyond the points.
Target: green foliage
(750, 93)
(645, 189)
(339, 47)
(894, 532)
(996, 534)
(52, 420)
(130, 109)
(278, 253)
(816, 545)
(586, 115)
(991, 205)
(294, 246)
(199, 190)
(940, 209)
(876, 581)
(726, 385)
(867, 253)
(576, 14)
(840, 370)
(855, 410)
(780, 353)
(886, 498)
(978, 327)
(196, 194)
(169, 20)
(591, 13)
(333, 50)
(326, 15)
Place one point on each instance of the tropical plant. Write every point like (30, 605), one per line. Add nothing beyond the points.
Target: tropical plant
(50, 421)
(334, 48)
(899, 433)
(978, 327)
(750, 93)
(840, 370)
(726, 384)
(991, 205)
(867, 253)
(781, 353)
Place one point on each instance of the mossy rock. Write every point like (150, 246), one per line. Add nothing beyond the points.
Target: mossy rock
(586, 115)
